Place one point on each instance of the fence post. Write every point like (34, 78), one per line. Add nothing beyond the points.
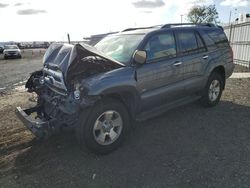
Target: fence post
(230, 33)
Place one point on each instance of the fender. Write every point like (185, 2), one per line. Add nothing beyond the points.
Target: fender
(120, 82)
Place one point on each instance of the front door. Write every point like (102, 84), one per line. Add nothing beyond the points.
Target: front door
(158, 80)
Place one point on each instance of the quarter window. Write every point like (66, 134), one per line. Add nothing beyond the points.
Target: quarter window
(161, 46)
(218, 37)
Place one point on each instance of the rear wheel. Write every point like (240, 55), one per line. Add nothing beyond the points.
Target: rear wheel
(213, 90)
(103, 130)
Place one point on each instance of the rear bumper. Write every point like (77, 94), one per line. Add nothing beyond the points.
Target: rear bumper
(38, 127)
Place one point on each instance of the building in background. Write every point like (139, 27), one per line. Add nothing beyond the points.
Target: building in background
(243, 17)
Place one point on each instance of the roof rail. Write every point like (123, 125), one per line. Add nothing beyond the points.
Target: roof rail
(135, 28)
(187, 24)
(173, 25)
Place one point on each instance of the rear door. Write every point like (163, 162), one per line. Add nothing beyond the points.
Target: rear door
(194, 59)
(157, 79)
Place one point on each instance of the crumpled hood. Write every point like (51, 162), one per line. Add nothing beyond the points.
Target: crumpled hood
(77, 59)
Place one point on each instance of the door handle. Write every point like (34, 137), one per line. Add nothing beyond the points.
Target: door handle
(205, 57)
(178, 63)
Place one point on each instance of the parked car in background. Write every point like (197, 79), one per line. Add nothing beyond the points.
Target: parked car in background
(11, 51)
(1, 49)
(135, 74)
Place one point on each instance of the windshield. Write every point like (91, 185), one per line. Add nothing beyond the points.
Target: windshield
(119, 47)
(10, 47)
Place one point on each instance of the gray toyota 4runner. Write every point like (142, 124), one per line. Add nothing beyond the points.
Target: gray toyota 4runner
(133, 75)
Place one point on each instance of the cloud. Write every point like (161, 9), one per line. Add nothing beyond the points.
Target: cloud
(191, 3)
(146, 11)
(235, 3)
(18, 4)
(30, 11)
(2, 5)
(148, 3)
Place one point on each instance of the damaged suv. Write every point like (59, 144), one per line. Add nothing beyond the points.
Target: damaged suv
(132, 75)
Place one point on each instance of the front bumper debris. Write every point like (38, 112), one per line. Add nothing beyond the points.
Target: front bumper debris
(37, 126)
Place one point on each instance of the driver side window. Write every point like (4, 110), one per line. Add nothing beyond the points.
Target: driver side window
(160, 46)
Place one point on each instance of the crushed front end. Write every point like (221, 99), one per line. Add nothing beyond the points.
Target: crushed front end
(56, 107)
(60, 87)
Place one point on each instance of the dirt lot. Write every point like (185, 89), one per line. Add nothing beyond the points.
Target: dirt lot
(187, 147)
(13, 71)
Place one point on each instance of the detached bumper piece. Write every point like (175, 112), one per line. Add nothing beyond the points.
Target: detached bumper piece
(40, 128)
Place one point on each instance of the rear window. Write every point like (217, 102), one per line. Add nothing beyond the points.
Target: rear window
(218, 36)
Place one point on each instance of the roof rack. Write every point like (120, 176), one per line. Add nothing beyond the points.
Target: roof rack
(135, 28)
(188, 24)
(173, 25)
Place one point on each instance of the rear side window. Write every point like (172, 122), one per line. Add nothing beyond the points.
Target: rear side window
(201, 46)
(218, 37)
(190, 42)
(161, 46)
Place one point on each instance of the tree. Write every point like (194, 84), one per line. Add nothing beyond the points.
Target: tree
(203, 14)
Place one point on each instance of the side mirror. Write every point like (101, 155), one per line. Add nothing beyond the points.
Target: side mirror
(140, 57)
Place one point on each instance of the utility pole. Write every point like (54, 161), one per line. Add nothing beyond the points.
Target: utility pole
(230, 25)
(68, 38)
(230, 15)
(181, 17)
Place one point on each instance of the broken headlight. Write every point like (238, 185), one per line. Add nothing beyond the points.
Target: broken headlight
(41, 80)
(79, 90)
(77, 94)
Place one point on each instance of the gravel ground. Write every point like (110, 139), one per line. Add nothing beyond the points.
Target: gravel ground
(187, 147)
(239, 68)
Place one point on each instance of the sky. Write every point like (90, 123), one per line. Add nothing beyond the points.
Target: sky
(51, 20)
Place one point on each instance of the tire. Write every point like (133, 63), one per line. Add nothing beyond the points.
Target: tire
(213, 90)
(98, 128)
(5, 57)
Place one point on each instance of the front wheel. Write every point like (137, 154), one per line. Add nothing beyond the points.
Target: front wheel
(213, 90)
(103, 130)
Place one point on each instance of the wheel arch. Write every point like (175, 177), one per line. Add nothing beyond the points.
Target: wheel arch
(221, 71)
(129, 98)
